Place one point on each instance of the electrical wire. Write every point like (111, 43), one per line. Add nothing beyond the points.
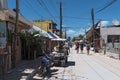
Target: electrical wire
(109, 4)
(30, 5)
(42, 4)
(27, 6)
(53, 6)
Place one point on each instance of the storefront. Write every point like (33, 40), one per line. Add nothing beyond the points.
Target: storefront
(3, 51)
(7, 28)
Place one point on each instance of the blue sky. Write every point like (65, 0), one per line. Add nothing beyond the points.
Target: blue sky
(76, 13)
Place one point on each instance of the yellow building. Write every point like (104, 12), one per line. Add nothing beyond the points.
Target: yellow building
(47, 25)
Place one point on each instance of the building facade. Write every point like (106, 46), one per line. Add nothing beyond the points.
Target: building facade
(3, 4)
(47, 25)
(110, 34)
(8, 57)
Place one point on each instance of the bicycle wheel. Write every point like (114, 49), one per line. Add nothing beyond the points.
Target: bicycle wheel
(41, 70)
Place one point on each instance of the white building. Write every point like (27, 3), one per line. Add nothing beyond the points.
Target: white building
(110, 34)
(3, 4)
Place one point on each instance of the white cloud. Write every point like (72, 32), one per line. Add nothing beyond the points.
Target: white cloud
(71, 31)
(104, 23)
(74, 33)
(115, 22)
(63, 25)
(82, 31)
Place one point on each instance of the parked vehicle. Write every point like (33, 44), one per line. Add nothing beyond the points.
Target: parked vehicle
(60, 52)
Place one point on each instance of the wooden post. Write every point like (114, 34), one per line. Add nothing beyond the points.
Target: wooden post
(119, 51)
(15, 36)
(2, 53)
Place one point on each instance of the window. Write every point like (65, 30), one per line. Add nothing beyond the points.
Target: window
(50, 27)
(113, 38)
(2, 34)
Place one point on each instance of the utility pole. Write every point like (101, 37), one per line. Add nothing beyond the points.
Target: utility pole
(60, 19)
(93, 27)
(17, 13)
(65, 32)
(15, 32)
(41, 26)
(85, 33)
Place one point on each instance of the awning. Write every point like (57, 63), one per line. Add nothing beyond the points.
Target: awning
(55, 37)
(59, 39)
(41, 32)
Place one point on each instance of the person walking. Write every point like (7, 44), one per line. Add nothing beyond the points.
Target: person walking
(88, 48)
(81, 46)
(67, 47)
(77, 46)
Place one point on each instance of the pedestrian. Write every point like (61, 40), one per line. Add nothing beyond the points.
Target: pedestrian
(81, 46)
(77, 46)
(71, 44)
(104, 47)
(67, 47)
(88, 47)
(61, 47)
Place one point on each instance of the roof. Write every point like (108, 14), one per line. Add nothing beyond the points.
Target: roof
(55, 37)
(59, 39)
(52, 35)
(21, 18)
(35, 28)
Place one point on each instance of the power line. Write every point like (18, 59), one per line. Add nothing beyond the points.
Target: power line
(72, 17)
(109, 4)
(53, 6)
(30, 5)
(48, 11)
(49, 8)
(41, 2)
(27, 6)
(75, 17)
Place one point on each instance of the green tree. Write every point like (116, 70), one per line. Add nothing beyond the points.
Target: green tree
(69, 38)
(81, 36)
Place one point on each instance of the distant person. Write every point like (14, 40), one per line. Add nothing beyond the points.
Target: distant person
(88, 47)
(104, 47)
(71, 44)
(61, 47)
(77, 47)
(67, 47)
(81, 46)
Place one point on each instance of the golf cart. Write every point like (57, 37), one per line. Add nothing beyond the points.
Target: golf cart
(60, 53)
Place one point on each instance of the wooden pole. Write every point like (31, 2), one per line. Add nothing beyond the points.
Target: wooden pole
(60, 19)
(15, 32)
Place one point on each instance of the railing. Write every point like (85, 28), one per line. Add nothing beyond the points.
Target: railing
(113, 51)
